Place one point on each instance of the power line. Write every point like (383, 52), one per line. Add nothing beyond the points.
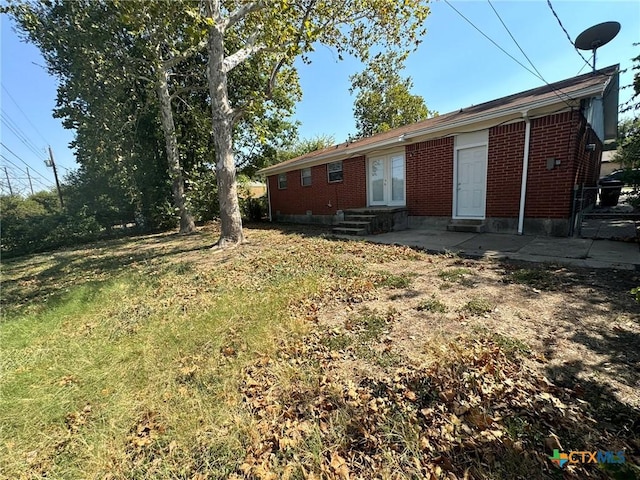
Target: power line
(514, 40)
(19, 184)
(20, 158)
(556, 91)
(15, 125)
(25, 115)
(566, 33)
(64, 168)
(22, 136)
(585, 65)
(14, 165)
(26, 173)
(19, 134)
(492, 41)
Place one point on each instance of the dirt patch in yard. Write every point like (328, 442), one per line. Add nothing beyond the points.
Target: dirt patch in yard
(457, 368)
(580, 327)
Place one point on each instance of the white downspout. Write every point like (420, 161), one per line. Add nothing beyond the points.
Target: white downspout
(525, 169)
(269, 199)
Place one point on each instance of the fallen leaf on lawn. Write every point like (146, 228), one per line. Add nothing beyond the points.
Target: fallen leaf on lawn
(228, 351)
(172, 446)
(448, 395)
(410, 395)
(339, 465)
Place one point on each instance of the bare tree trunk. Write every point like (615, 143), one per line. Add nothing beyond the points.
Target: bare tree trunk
(222, 114)
(171, 144)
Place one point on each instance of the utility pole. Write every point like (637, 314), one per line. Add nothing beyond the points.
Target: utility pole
(30, 184)
(8, 181)
(52, 163)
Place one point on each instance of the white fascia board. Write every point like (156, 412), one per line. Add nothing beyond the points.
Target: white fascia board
(587, 92)
(355, 151)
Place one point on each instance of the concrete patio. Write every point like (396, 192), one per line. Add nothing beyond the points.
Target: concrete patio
(582, 252)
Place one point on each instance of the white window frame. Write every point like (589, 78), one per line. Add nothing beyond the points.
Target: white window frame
(304, 177)
(386, 158)
(282, 176)
(329, 172)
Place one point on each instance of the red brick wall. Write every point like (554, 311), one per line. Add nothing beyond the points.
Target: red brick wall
(429, 172)
(296, 199)
(504, 170)
(549, 192)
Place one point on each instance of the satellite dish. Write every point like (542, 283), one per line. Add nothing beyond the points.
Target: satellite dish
(595, 37)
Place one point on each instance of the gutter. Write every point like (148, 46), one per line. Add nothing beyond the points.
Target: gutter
(402, 139)
(525, 170)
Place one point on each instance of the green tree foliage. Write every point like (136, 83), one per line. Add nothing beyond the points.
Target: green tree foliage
(634, 102)
(288, 148)
(307, 145)
(125, 65)
(105, 96)
(278, 32)
(139, 149)
(106, 201)
(384, 100)
(37, 223)
(628, 153)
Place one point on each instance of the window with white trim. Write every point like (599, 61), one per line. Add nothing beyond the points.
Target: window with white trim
(305, 177)
(334, 171)
(282, 181)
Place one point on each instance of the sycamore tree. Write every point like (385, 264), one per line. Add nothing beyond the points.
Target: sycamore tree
(280, 31)
(122, 64)
(108, 49)
(384, 100)
(108, 52)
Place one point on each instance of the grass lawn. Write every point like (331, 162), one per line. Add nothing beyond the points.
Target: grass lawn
(302, 356)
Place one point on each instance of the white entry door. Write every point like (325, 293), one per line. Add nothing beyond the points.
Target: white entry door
(387, 180)
(471, 182)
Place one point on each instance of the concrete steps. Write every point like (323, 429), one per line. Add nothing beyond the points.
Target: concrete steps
(355, 225)
(472, 226)
(349, 231)
(612, 216)
(367, 221)
(353, 217)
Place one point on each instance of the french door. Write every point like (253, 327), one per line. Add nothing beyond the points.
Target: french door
(387, 183)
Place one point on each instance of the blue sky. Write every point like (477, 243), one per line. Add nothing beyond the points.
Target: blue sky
(454, 67)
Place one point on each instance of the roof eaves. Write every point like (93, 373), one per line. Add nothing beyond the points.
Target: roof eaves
(349, 151)
(521, 109)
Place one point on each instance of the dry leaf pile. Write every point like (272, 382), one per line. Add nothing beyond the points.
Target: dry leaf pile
(477, 413)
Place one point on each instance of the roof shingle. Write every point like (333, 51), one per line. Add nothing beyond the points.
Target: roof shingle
(563, 92)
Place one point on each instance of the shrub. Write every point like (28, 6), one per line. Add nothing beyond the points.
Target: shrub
(34, 225)
(253, 209)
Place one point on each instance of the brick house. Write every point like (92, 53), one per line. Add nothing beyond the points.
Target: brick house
(510, 165)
